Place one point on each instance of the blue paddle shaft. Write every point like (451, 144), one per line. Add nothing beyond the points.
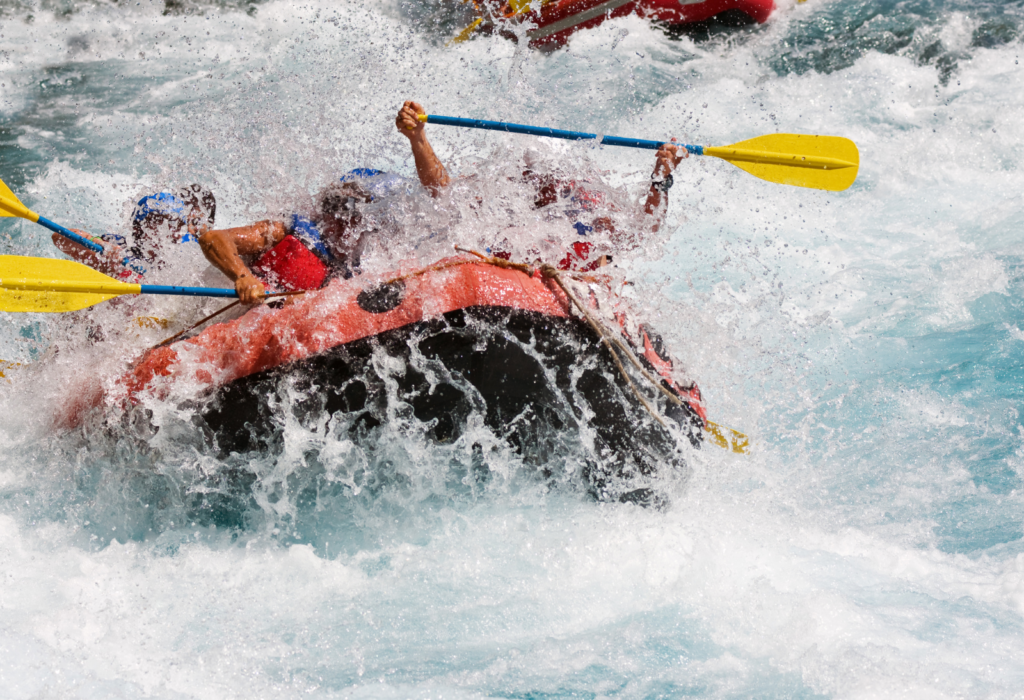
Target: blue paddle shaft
(146, 288)
(67, 233)
(187, 291)
(556, 133)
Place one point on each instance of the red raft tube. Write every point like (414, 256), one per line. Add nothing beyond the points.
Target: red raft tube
(463, 337)
(556, 20)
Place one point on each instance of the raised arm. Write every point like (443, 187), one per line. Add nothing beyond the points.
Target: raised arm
(225, 247)
(666, 160)
(108, 262)
(432, 174)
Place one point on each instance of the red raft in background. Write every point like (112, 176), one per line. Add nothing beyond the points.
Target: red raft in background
(462, 337)
(556, 20)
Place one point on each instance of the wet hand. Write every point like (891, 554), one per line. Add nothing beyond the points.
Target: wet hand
(668, 157)
(249, 289)
(407, 123)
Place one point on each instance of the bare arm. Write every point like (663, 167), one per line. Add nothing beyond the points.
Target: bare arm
(667, 158)
(225, 247)
(431, 171)
(108, 262)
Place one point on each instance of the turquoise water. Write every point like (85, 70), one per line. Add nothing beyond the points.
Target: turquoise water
(868, 341)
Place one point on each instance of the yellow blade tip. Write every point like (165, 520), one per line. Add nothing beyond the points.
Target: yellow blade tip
(727, 438)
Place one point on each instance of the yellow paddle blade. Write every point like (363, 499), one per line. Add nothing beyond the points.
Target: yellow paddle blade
(820, 162)
(727, 438)
(466, 33)
(45, 285)
(10, 205)
(5, 193)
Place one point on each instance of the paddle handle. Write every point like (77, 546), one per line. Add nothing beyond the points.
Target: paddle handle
(187, 291)
(68, 233)
(552, 133)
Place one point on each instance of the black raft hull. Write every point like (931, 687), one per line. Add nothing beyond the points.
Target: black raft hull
(544, 384)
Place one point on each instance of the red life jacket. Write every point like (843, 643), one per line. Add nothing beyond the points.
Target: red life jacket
(291, 266)
(577, 258)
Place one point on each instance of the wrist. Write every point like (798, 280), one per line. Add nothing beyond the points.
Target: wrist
(663, 185)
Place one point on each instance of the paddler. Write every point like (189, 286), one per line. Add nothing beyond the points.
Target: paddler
(157, 218)
(300, 252)
(434, 177)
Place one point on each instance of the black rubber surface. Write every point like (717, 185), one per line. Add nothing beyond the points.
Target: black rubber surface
(531, 376)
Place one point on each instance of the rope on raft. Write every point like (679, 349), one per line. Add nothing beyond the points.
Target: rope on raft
(607, 337)
(603, 333)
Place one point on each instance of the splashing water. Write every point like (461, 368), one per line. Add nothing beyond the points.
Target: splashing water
(868, 341)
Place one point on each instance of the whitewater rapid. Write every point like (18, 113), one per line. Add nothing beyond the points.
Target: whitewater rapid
(868, 341)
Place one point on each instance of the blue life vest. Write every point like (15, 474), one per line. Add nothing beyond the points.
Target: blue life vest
(303, 228)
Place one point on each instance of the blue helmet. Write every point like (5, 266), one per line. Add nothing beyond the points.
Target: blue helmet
(191, 202)
(377, 182)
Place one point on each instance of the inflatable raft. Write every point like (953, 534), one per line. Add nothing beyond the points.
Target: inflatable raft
(556, 20)
(434, 347)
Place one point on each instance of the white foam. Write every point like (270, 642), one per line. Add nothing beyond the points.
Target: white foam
(823, 563)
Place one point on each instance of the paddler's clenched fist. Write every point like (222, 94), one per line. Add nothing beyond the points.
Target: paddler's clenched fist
(249, 289)
(407, 121)
(668, 157)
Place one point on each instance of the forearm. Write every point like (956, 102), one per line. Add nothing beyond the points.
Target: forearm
(669, 156)
(655, 197)
(656, 205)
(103, 262)
(224, 248)
(222, 252)
(429, 168)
